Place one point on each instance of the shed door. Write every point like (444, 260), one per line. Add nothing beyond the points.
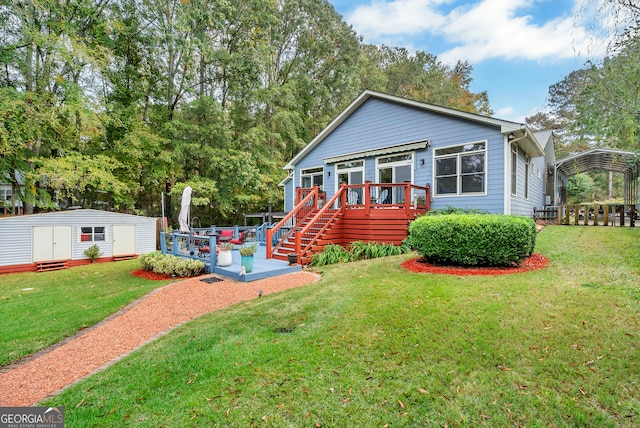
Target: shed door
(124, 239)
(51, 243)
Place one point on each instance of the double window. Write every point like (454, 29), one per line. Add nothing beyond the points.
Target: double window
(461, 170)
(92, 234)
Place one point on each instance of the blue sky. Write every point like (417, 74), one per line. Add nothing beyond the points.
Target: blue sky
(517, 48)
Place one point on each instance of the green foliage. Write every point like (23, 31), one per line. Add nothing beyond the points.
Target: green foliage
(580, 188)
(473, 239)
(214, 95)
(248, 249)
(93, 252)
(357, 251)
(167, 264)
(454, 210)
(331, 254)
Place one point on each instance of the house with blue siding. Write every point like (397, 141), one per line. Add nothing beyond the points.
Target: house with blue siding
(384, 155)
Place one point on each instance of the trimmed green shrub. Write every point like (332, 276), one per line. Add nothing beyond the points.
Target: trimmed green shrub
(166, 264)
(473, 239)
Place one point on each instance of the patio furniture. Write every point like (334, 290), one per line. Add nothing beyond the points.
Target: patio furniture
(225, 235)
(241, 238)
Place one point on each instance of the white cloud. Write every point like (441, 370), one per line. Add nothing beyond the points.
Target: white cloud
(504, 112)
(477, 31)
(396, 17)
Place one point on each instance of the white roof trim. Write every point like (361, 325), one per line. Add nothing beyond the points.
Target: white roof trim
(405, 147)
(505, 126)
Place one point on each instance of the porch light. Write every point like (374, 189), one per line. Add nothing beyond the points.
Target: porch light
(328, 173)
(422, 162)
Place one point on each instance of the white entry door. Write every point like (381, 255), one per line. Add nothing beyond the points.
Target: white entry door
(124, 239)
(52, 243)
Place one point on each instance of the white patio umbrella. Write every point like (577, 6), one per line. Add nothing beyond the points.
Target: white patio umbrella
(185, 207)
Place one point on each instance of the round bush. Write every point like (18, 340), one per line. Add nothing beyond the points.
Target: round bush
(473, 239)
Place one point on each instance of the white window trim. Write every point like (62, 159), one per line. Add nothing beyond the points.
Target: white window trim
(320, 172)
(379, 165)
(458, 194)
(93, 233)
(337, 171)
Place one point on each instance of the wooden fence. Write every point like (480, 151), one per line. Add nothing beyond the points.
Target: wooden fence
(597, 215)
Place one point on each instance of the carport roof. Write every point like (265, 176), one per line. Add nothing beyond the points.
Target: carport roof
(601, 160)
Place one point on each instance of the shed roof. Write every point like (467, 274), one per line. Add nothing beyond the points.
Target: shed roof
(600, 159)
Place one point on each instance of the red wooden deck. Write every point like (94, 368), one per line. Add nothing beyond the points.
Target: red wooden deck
(372, 216)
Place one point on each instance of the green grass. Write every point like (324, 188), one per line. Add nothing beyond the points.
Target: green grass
(373, 345)
(40, 309)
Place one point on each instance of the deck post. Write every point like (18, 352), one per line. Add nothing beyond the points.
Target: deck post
(407, 197)
(175, 244)
(269, 239)
(367, 197)
(163, 242)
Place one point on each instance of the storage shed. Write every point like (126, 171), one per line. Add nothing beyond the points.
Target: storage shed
(33, 242)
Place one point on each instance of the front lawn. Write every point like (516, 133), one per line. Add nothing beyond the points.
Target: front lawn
(40, 309)
(374, 345)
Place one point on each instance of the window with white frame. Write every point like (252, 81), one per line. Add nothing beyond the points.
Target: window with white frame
(312, 177)
(393, 169)
(460, 170)
(351, 173)
(5, 194)
(92, 234)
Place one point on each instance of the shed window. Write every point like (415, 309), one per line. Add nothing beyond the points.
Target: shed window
(92, 234)
(460, 170)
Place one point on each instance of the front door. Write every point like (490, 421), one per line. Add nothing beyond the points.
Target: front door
(352, 173)
(394, 169)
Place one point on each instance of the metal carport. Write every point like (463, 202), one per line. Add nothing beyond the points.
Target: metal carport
(602, 159)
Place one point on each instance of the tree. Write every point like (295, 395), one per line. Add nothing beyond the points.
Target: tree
(422, 77)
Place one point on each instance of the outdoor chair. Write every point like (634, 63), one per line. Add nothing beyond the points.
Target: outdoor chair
(383, 197)
(241, 238)
(352, 197)
(225, 235)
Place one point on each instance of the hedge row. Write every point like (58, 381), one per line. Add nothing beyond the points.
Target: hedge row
(166, 264)
(473, 239)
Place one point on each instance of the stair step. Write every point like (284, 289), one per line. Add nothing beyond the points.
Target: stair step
(124, 257)
(49, 265)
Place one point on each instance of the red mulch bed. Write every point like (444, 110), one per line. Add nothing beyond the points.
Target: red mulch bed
(148, 274)
(535, 261)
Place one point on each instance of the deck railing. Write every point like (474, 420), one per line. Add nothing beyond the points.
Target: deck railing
(285, 227)
(365, 197)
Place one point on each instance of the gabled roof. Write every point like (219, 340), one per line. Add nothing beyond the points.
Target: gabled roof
(533, 147)
(600, 159)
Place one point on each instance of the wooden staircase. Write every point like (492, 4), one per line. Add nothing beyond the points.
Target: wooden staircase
(315, 238)
(311, 226)
(49, 265)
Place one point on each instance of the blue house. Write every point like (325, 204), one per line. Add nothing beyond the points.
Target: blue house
(383, 153)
